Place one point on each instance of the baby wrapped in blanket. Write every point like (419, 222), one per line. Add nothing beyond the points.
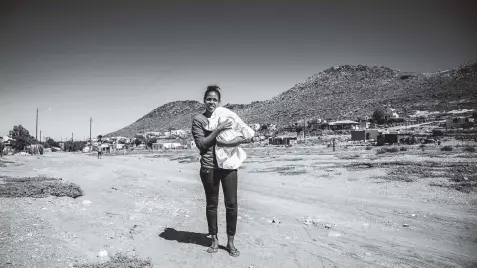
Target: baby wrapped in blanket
(229, 157)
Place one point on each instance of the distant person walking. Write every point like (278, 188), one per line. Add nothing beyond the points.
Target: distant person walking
(211, 175)
(2, 146)
(100, 152)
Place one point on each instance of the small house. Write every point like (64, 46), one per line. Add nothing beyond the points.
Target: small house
(364, 135)
(166, 145)
(282, 140)
(459, 122)
(344, 124)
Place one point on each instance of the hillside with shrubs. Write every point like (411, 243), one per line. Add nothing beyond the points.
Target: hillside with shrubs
(343, 92)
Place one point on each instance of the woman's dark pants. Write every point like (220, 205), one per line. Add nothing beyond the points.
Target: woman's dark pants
(211, 179)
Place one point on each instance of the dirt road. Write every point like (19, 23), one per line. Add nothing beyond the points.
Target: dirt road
(297, 208)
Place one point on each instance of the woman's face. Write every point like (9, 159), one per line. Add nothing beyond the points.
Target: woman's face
(211, 101)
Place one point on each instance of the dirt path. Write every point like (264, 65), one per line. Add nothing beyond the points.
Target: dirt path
(325, 215)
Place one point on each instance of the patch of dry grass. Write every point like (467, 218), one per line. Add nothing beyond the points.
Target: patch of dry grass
(348, 156)
(186, 159)
(387, 150)
(4, 162)
(284, 170)
(293, 172)
(119, 261)
(462, 176)
(37, 187)
(179, 158)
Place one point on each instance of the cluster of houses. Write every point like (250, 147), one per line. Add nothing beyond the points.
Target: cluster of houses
(366, 130)
(455, 119)
(173, 139)
(361, 130)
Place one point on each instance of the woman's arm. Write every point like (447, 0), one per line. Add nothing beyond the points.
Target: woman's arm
(203, 143)
(233, 143)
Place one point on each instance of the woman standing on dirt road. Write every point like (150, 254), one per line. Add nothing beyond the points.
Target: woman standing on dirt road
(211, 175)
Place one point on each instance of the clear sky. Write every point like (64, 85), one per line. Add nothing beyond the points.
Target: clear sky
(118, 60)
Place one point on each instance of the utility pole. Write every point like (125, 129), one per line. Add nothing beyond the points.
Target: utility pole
(36, 129)
(406, 118)
(304, 130)
(40, 136)
(90, 142)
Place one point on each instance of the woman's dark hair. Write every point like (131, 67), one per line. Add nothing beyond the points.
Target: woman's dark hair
(212, 88)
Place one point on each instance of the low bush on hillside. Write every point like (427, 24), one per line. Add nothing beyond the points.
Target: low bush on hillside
(403, 149)
(368, 148)
(469, 149)
(446, 148)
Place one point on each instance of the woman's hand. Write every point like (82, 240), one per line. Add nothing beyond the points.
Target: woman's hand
(225, 125)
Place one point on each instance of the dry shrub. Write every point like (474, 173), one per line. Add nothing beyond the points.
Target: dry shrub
(119, 261)
(392, 150)
(187, 159)
(446, 148)
(387, 150)
(403, 149)
(368, 148)
(469, 149)
(402, 178)
(293, 172)
(349, 156)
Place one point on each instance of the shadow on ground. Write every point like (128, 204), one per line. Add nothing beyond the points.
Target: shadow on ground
(186, 237)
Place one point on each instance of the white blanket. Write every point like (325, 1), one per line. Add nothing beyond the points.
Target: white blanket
(229, 157)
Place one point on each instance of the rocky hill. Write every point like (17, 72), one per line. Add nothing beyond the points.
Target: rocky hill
(336, 93)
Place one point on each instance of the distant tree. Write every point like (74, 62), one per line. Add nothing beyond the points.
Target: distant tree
(74, 146)
(100, 137)
(22, 138)
(151, 141)
(137, 142)
(51, 143)
(141, 138)
(379, 116)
